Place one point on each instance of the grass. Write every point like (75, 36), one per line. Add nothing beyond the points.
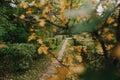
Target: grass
(33, 73)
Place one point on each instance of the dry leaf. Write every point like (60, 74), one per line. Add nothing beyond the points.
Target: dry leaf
(79, 58)
(32, 3)
(43, 49)
(22, 16)
(99, 48)
(109, 47)
(42, 23)
(110, 37)
(38, 5)
(40, 41)
(68, 44)
(110, 20)
(84, 49)
(24, 4)
(106, 29)
(115, 24)
(40, 50)
(32, 37)
(31, 29)
(29, 11)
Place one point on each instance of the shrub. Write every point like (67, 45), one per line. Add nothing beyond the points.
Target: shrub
(21, 55)
(59, 39)
(16, 35)
(50, 43)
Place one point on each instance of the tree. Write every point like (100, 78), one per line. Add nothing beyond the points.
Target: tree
(38, 19)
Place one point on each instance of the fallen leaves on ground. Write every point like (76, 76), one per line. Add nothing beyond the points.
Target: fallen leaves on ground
(61, 75)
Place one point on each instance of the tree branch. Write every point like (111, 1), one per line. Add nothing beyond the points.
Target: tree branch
(35, 22)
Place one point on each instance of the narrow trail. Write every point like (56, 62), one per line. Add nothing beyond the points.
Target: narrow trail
(51, 69)
(60, 54)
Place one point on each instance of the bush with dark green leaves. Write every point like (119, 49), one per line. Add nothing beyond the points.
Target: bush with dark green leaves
(10, 30)
(20, 55)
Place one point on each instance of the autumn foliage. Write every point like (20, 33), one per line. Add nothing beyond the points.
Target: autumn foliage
(38, 27)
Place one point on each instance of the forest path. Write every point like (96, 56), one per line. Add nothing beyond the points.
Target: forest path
(51, 70)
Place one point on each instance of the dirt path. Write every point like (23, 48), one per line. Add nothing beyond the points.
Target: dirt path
(60, 54)
(51, 69)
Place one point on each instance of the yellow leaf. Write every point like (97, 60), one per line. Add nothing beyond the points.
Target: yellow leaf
(84, 49)
(99, 48)
(63, 19)
(115, 24)
(109, 47)
(38, 5)
(106, 29)
(29, 11)
(99, 32)
(63, 3)
(79, 58)
(44, 49)
(40, 50)
(22, 16)
(31, 29)
(44, 13)
(62, 11)
(110, 37)
(32, 3)
(42, 23)
(40, 41)
(110, 20)
(78, 49)
(46, 10)
(24, 4)
(64, 22)
(68, 44)
(53, 18)
(32, 37)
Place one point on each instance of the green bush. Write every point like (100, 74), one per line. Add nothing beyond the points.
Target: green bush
(59, 39)
(10, 30)
(50, 43)
(21, 55)
(16, 35)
